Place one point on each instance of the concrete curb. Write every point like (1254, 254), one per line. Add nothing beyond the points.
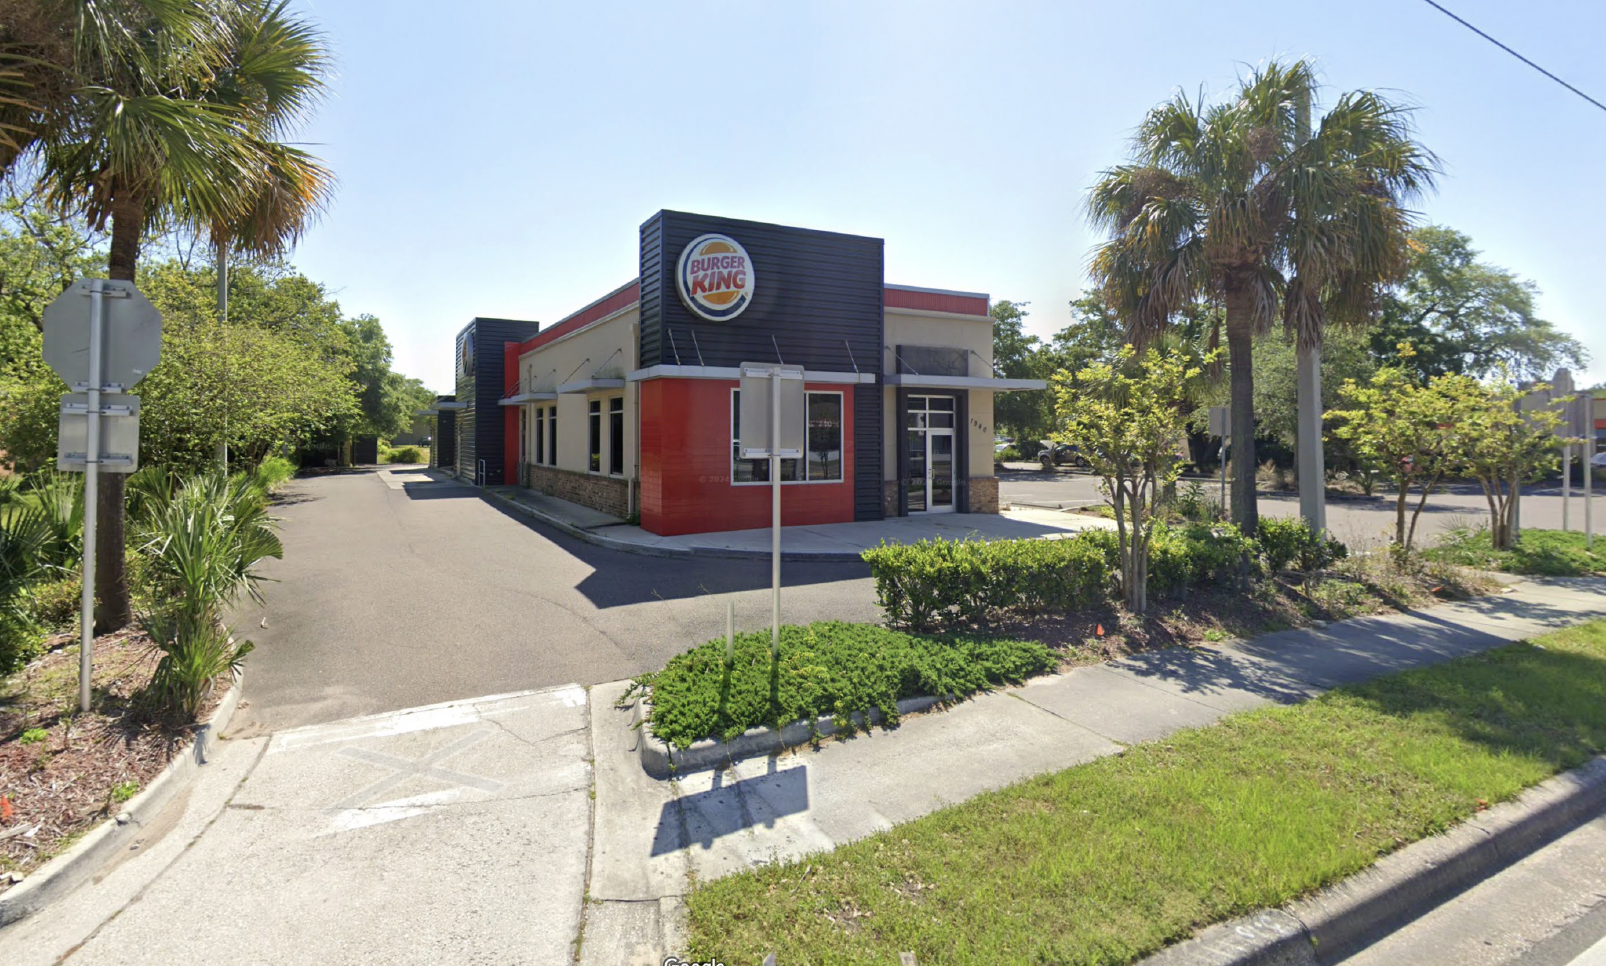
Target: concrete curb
(646, 550)
(89, 854)
(579, 533)
(1350, 915)
(660, 760)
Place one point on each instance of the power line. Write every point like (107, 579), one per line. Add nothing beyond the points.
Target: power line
(1513, 53)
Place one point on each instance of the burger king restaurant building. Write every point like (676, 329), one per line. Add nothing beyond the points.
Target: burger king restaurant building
(630, 405)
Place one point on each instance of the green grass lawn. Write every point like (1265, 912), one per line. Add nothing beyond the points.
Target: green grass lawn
(1109, 861)
(1548, 553)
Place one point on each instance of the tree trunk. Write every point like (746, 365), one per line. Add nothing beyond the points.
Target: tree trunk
(1240, 351)
(1403, 485)
(112, 609)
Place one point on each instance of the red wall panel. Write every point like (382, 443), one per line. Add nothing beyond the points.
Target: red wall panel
(686, 465)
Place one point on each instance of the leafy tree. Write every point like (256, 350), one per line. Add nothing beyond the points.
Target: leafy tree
(1467, 316)
(1016, 355)
(1403, 430)
(1346, 356)
(148, 113)
(1126, 416)
(1503, 445)
(1230, 203)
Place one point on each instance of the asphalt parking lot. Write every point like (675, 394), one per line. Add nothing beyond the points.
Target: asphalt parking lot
(394, 595)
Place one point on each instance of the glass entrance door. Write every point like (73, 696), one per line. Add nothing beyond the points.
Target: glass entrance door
(929, 438)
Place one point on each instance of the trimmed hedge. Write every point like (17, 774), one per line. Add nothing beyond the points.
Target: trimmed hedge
(942, 582)
(946, 583)
(826, 668)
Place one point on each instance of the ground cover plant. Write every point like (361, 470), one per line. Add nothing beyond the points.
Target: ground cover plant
(1107, 862)
(824, 669)
(1548, 553)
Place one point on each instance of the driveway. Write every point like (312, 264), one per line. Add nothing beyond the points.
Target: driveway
(393, 595)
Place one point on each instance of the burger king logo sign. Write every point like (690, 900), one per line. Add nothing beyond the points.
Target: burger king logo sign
(715, 277)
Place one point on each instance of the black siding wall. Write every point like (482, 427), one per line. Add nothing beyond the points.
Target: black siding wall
(480, 426)
(818, 300)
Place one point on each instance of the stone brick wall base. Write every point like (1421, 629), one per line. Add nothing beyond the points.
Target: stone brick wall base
(610, 494)
(889, 498)
(984, 494)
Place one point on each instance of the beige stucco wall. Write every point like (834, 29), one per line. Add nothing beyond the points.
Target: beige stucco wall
(606, 350)
(961, 332)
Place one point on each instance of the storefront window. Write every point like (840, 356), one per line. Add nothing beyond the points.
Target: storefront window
(616, 435)
(823, 435)
(540, 434)
(595, 448)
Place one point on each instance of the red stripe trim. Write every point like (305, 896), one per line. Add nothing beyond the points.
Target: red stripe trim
(627, 296)
(899, 298)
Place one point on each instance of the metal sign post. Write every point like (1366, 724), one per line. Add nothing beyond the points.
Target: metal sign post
(86, 613)
(101, 337)
(1221, 425)
(774, 414)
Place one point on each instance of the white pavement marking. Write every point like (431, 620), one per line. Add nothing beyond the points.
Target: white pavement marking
(490, 865)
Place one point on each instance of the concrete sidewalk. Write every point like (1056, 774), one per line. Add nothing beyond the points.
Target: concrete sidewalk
(651, 838)
(513, 828)
(826, 541)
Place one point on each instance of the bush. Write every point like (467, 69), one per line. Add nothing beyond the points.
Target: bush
(1291, 544)
(271, 473)
(201, 546)
(937, 583)
(1181, 558)
(405, 454)
(947, 583)
(825, 669)
(55, 603)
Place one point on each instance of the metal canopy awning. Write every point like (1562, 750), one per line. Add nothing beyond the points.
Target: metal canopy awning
(734, 374)
(912, 380)
(525, 397)
(451, 406)
(591, 385)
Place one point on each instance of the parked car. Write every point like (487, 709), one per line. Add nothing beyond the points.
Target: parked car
(1599, 462)
(1001, 443)
(1059, 454)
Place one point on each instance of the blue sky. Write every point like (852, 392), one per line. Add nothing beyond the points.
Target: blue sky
(497, 156)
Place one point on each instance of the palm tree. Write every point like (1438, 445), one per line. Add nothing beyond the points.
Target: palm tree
(1229, 203)
(171, 115)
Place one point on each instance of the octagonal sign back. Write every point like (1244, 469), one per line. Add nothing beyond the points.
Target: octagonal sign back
(131, 342)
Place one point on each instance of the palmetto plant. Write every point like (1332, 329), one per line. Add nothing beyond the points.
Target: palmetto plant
(1231, 203)
(202, 542)
(145, 114)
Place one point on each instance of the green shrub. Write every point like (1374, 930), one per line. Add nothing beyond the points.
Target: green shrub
(825, 669)
(196, 652)
(940, 583)
(55, 603)
(405, 454)
(201, 547)
(1290, 543)
(1197, 555)
(271, 473)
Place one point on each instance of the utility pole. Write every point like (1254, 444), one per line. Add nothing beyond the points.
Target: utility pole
(1311, 466)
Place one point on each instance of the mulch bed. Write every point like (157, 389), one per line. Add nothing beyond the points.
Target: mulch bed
(54, 790)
